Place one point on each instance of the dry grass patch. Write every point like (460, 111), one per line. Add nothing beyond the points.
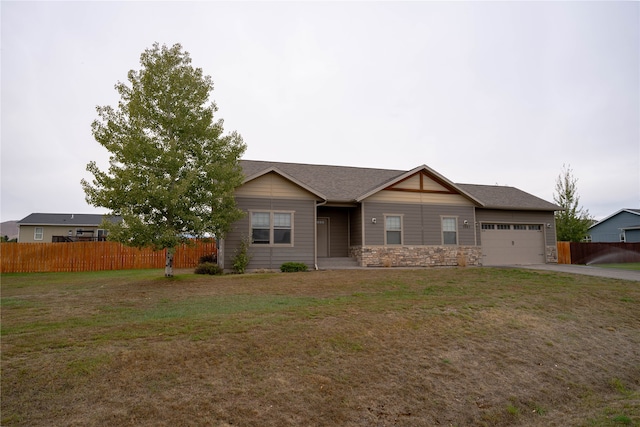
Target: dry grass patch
(386, 347)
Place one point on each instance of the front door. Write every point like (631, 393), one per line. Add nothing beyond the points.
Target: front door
(322, 227)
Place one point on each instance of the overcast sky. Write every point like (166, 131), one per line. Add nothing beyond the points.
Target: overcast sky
(482, 92)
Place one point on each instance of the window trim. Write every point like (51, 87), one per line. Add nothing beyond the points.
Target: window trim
(401, 216)
(272, 227)
(442, 230)
(40, 235)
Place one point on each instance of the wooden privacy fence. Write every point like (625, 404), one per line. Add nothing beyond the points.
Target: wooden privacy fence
(597, 253)
(94, 256)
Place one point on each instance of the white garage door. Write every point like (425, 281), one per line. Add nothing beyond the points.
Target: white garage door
(505, 244)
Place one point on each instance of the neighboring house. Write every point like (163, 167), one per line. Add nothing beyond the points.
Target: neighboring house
(622, 226)
(379, 217)
(53, 227)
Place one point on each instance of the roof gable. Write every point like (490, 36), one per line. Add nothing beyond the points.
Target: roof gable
(286, 176)
(627, 210)
(423, 180)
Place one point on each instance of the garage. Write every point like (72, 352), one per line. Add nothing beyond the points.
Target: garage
(505, 244)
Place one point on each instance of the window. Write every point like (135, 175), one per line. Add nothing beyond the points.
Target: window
(449, 231)
(271, 228)
(535, 227)
(488, 226)
(519, 227)
(102, 235)
(38, 233)
(393, 229)
(282, 228)
(260, 228)
(504, 227)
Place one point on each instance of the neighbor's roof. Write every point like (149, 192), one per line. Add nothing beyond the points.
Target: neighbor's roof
(66, 219)
(348, 184)
(631, 211)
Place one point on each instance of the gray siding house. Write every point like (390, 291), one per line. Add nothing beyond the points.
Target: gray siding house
(57, 227)
(622, 226)
(379, 217)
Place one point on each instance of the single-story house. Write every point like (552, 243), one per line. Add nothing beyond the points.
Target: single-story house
(55, 227)
(622, 226)
(378, 217)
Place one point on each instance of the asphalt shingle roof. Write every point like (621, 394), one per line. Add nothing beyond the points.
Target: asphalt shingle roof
(346, 184)
(337, 183)
(500, 197)
(63, 219)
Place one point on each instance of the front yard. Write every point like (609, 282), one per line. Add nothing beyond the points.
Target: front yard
(380, 347)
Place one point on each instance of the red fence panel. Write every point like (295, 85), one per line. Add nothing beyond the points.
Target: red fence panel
(94, 256)
(564, 252)
(598, 253)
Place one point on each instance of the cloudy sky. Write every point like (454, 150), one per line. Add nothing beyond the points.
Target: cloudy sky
(483, 92)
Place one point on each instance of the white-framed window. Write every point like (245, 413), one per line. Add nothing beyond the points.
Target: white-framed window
(449, 230)
(271, 227)
(38, 233)
(393, 229)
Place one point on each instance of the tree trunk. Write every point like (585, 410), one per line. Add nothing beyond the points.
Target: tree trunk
(168, 266)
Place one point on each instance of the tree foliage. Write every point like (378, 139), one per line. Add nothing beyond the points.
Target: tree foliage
(172, 172)
(572, 223)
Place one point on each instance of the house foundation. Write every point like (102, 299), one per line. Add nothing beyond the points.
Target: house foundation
(416, 256)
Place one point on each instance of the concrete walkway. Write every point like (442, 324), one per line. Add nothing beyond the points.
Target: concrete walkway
(588, 270)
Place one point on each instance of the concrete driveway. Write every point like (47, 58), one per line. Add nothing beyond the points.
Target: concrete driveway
(587, 270)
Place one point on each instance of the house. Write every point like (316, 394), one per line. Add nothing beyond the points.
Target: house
(378, 217)
(622, 226)
(55, 227)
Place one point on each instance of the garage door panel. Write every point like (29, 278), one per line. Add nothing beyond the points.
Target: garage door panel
(504, 244)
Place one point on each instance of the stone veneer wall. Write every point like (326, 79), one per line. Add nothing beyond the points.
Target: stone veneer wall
(552, 254)
(416, 256)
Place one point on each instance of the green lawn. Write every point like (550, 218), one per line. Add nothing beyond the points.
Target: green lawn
(378, 347)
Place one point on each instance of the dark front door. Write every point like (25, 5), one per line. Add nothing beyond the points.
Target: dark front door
(322, 240)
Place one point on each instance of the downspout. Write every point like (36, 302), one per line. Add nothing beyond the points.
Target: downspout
(363, 231)
(315, 233)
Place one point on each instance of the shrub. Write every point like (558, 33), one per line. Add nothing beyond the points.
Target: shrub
(208, 268)
(241, 258)
(290, 267)
(212, 258)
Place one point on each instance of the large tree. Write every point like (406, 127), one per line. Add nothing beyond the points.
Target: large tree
(172, 172)
(573, 221)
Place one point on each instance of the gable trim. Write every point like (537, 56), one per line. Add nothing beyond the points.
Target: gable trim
(631, 211)
(287, 177)
(421, 189)
(423, 170)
